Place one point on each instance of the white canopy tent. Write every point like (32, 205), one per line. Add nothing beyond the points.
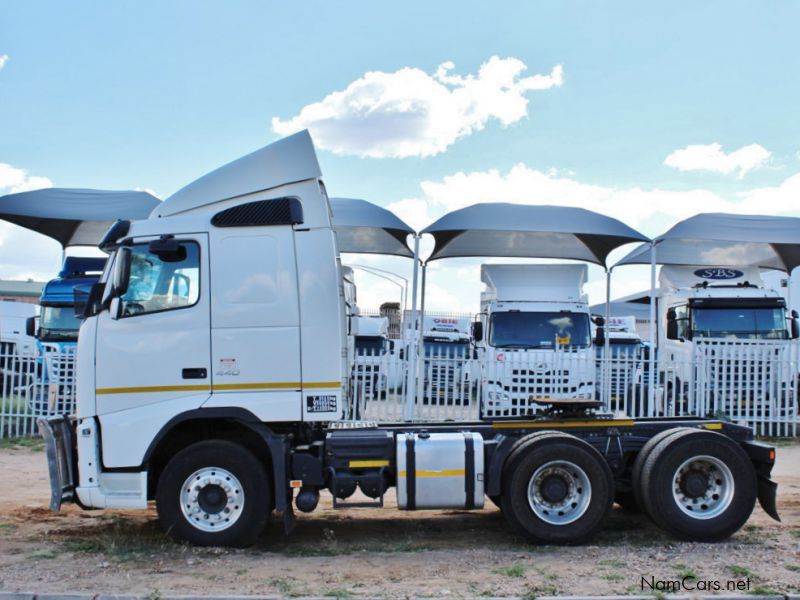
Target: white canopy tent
(75, 217)
(365, 228)
(711, 239)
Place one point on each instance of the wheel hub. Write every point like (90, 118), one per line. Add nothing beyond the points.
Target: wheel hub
(554, 489)
(694, 483)
(703, 487)
(559, 492)
(212, 499)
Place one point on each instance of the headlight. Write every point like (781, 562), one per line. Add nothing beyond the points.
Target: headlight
(497, 396)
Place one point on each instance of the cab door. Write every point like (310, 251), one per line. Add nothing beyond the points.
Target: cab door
(153, 346)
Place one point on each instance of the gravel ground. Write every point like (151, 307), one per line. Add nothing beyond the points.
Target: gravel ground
(373, 552)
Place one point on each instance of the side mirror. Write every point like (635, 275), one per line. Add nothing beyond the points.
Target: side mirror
(600, 334)
(401, 354)
(794, 326)
(477, 331)
(474, 354)
(30, 326)
(122, 272)
(599, 321)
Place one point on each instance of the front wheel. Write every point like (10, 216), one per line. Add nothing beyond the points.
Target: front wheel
(214, 493)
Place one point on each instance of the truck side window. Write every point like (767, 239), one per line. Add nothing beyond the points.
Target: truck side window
(158, 284)
(682, 317)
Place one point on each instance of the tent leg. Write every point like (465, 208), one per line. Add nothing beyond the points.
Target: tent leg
(411, 372)
(653, 336)
(420, 342)
(605, 389)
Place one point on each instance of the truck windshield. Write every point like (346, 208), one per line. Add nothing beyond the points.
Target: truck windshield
(739, 323)
(369, 344)
(539, 329)
(446, 347)
(58, 323)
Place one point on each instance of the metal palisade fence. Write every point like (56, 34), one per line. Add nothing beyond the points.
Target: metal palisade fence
(34, 385)
(750, 382)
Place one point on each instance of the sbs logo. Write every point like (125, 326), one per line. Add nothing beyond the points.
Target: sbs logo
(718, 273)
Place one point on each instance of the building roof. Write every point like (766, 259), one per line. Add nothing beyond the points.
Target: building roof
(11, 287)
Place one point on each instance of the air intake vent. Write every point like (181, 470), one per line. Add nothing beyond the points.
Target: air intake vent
(279, 211)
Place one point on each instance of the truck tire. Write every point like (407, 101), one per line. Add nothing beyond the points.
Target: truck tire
(214, 493)
(635, 499)
(518, 447)
(556, 489)
(699, 486)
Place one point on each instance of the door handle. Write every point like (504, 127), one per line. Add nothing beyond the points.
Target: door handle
(195, 373)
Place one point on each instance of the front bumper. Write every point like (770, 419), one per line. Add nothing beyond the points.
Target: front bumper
(59, 438)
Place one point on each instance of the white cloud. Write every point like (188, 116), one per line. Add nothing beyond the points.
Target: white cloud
(711, 157)
(14, 179)
(3, 60)
(412, 113)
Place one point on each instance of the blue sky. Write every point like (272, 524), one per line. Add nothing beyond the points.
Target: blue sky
(153, 94)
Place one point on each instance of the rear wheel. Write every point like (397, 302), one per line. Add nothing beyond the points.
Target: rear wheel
(699, 486)
(556, 489)
(635, 499)
(214, 493)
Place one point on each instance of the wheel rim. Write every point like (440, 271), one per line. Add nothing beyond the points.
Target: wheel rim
(703, 487)
(559, 492)
(212, 499)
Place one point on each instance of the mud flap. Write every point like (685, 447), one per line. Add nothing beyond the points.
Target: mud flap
(767, 492)
(57, 436)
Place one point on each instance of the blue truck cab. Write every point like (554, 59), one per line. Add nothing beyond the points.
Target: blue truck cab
(58, 324)
(56, 334)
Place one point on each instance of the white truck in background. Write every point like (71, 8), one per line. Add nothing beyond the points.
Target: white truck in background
(625, 365)
(724, 331)
(371, 345)
(534, 336)
(17, 348)
(446, 360)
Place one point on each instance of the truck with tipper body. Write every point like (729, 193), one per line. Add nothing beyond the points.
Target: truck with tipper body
(534, 336)
(211, 368)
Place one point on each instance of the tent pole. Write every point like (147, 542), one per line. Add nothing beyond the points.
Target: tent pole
(421, 340)
(653, 337)
(606, 389)
(411, 382)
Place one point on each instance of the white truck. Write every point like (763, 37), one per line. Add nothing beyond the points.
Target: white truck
(534, 336)
(211, 368)
(446, 356)
(371, 346)
(723, 332)
(17, 348)
(622, 365)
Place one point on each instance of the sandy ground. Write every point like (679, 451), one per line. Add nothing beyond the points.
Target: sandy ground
(373, 552)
